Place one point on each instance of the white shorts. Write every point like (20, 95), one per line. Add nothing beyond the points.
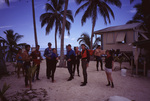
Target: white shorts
(108, 70)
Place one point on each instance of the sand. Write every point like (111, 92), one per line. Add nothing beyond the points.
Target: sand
(134, 88)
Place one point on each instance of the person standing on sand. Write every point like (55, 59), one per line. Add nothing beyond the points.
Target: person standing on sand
(54, 58)
(70, 59)
(77, 60)
(36, 57)
(109, 66)
(19, 62)
(98, 53)
(85, 58)
(27, 58)
(47, 54)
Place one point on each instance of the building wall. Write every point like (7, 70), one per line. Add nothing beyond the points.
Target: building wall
(127, 46)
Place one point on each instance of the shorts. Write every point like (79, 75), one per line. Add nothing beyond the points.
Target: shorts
(108, 70)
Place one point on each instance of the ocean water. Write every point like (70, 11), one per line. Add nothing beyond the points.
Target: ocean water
(58, 51)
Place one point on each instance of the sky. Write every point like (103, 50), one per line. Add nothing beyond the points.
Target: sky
(18, 17)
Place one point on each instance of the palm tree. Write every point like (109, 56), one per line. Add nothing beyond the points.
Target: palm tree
(11, 43)
(138, 17)
(7, 2)
(34, 23)
(54, 16)
(131, 1)
(142, 15)
(85, 39)
(62, 35)
(3, 69)
(95, 7)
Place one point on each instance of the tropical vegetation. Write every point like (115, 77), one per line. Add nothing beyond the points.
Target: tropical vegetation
(95, 7)
(85, 39)
(3, 90)
(142, 15)
(34, 22)
(31, 73)
(54, 17)
(10, 44)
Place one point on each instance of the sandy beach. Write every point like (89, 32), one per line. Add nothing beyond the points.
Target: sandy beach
(134, 88)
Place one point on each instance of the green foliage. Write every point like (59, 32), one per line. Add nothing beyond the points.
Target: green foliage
(142, 15)
(31, 72)
(10, 43)
(85, 39)
(54, 16)
(120, 59)
(95, 7)
(3, 91)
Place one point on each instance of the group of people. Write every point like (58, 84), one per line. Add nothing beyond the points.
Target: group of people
(73, 58)
(26, 61)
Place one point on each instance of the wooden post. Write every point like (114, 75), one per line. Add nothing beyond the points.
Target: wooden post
(132, 64)
(136, 54)
(144, 67)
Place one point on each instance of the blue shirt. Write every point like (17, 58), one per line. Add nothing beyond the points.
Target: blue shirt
(70, 53)
(53, 56)
(48, 52)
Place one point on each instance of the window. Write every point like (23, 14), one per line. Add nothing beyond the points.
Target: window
(121, 37)
(110, 38)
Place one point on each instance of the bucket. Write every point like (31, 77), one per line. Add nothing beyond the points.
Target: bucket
(148, 73)
(123, 72)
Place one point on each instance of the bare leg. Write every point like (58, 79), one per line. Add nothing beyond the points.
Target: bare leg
(18, 71)
(110, 78)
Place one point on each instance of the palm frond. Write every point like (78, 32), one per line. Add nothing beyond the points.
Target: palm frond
(17, 37)
(7, 1)
(44, 18)
(49, 7)
(87, 14)
(85, 38)
(114, 2)
(69, 15)
(60, 5)
(79, 1)
(131, 1)
(50, 25)
(104, 11)
(4, 89)
(54, 3)
(81, 8)
(68, 26)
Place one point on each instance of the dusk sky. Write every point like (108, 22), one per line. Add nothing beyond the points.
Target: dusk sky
(18, 17)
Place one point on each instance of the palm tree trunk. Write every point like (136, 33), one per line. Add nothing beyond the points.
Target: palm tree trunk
(34, 23)
(61, 64)
(93, 26)
(92, 34)
(3, 69)
(56, 38)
